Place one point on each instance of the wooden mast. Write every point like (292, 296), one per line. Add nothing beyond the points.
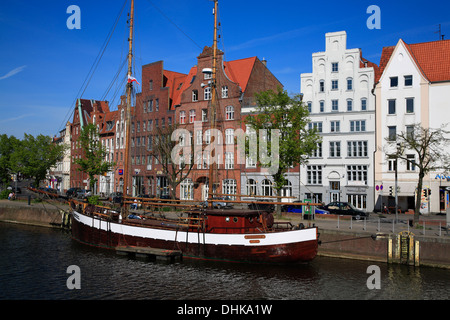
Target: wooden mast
(126, 171)
(213, 107)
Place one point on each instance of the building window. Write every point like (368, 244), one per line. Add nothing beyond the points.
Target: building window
(204, 115)
(359, 201)
(207, 93)
(229, 136)
(250, 162)
(286, 191)
(357, 125)
(335, 67)
(156, 104)
(363, 104)
(349, 84)
(151, 84)
(410, 131)
(182, 117)
(394, 82)
(225, 92)
(317, 153)
(335, 149)
(266, 188)
(335, 126)
(314, 175)
(357, 149)
(334, 85)
(391, 106)
(315, 125)
(392, 133)
(229, 160)
(392, 164)
(321, 86)
(408, 81)
(322, 106)
(191, 116)
(409, 105)
(309, 103)
(411, 162)
(229, 186)
(194, 95)
(229, 113)
(150, 106)
(349, 105)
(357, 173)
(187, 189)
(251, 187)
(334, 105)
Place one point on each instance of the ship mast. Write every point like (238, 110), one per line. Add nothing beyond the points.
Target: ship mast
(213, 107)
(126, 171)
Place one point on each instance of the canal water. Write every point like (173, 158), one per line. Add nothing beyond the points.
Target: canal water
(34, 262)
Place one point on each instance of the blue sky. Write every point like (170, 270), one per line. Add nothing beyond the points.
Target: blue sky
(43, 64)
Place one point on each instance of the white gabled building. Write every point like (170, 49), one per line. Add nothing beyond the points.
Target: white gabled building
(414, 87)
(342, 107)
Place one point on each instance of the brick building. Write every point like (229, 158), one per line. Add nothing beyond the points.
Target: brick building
(169, 97)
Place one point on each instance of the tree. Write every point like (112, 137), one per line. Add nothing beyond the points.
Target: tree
(93, 163)
(7, 147)
(33, 157)
(289, 116)
(175, 158)
(431, 148)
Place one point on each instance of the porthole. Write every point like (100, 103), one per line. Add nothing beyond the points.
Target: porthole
(235, 219)
(227, 219)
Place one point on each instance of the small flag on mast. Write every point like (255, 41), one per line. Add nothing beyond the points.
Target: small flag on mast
(131, 79)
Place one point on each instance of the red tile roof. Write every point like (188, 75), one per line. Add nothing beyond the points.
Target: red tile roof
(385, 57)
(432, 58)
(239, 71)
(175, 82)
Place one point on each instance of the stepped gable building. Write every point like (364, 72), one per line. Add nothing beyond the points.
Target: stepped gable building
(236, 81)
(413, 86)
(342, 108)
(155, 109)
(86, 111)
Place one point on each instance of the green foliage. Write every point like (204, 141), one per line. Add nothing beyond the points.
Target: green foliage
(32, 157)
(95, 200)
(93, 162)
(4, 194)
(277, 110)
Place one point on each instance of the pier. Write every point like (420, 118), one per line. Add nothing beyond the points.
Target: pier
(153, 253)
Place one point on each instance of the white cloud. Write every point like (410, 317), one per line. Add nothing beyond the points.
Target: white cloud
(13, 72)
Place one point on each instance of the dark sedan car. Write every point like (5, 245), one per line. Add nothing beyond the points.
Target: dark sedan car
(344, 208)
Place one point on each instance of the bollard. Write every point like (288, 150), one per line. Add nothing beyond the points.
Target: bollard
(29, 199)
(379, 224)
(338, 223)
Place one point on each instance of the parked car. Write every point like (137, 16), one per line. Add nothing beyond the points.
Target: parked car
(298, 209)
(269, 207)
(72, 192)
(291, 208)
(344, 208)
(83, 194)
(219, 203)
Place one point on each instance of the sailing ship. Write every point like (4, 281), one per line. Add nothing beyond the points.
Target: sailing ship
(204, 233)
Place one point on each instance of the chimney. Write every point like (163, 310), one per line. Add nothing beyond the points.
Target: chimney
(264, 61)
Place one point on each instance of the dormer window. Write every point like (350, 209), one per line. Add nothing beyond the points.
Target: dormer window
(194, 95)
